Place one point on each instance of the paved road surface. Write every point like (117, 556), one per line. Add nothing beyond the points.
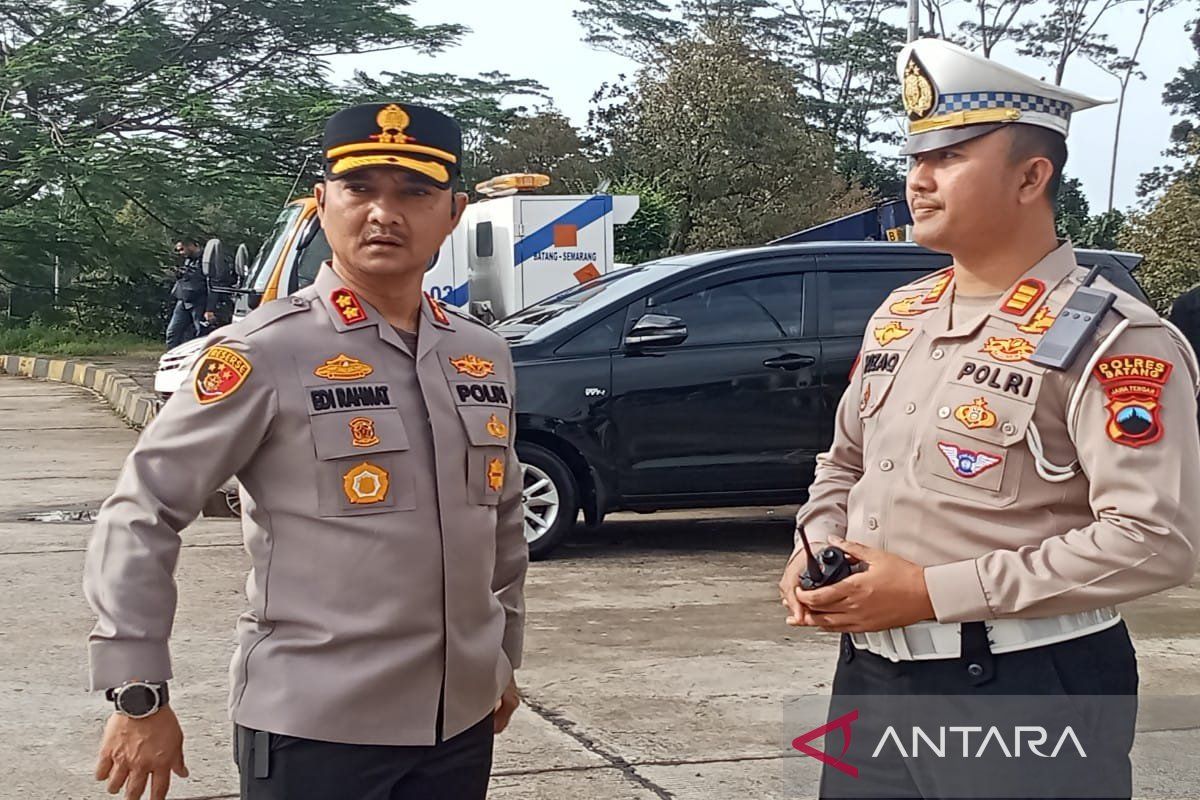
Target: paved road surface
(657, 663)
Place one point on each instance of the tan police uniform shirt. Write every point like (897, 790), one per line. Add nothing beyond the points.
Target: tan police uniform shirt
(381, 509)
(935, 449)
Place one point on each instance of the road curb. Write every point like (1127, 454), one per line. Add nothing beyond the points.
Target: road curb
(132, 403)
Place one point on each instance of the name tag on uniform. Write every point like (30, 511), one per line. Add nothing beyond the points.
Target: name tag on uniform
(341, 398)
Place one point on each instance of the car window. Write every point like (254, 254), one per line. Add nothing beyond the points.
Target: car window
(264, 264)
(599, 337)
(316, 254)
(751, 310)
(852, 297)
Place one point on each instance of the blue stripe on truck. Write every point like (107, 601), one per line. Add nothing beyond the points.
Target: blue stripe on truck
(580, 216)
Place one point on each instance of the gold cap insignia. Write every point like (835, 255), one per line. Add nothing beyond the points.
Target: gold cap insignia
(474, 366)
(365, 484)
(920, 97)
(392, 121)
(343, 368)
(363, 431)
(497, 429)
(976, 415)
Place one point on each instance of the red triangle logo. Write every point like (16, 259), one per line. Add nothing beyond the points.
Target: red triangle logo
(843, 722)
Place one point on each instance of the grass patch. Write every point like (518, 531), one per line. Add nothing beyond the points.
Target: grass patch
(47, 341)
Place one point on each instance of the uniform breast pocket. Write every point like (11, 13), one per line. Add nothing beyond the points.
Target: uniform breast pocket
(487, 429)
(976, 450)
(363, 463)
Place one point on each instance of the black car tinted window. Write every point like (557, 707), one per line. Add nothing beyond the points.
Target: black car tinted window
(599, 337)
(751, 310)
(853, 296)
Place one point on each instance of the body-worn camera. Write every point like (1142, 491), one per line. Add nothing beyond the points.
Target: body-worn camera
(824, 569)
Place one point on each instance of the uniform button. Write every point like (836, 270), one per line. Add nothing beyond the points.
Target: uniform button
(974, 670)
(872, 523)
(297, 301)
(938, 354)
(1008, 428)
(910, 408)
(944, 412)
(886, 465)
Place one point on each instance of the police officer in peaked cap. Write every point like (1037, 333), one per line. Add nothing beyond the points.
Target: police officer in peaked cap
(371, 430)
(1016, 453)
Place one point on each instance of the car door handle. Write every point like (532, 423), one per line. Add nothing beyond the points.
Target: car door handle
(790, 361)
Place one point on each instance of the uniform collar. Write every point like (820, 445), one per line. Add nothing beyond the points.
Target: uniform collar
(348, 311)
(1019, 304)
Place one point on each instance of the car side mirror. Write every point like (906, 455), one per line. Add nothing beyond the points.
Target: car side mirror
(657, 329)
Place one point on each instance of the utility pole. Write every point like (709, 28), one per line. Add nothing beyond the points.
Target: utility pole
(914, 13)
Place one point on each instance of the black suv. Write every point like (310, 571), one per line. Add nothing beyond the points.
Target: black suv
(700, 380)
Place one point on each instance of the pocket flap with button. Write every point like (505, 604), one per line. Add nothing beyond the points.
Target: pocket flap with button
(999, 421)
(347, 434)
(485, 426)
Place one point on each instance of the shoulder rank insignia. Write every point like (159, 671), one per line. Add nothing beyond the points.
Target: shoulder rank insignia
(221, 373)
(496, 428)
(347, 306)
(365, 484)
(343, 368)
(1134, 387)
(1008, 349)
(362, 432)
(495, 474)
(1040, 323)
(904, 307)
(886, 334)
(939, 288)
(436, 309)
(968, 463)
(976, 415)
(1026, 293)
(474, 366)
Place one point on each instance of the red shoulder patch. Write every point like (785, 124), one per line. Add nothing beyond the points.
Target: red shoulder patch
(1134, 387)
(348, 306)
(221, 373)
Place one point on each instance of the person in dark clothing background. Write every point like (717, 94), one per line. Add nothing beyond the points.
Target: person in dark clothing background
(194, 303)
(1185, 315)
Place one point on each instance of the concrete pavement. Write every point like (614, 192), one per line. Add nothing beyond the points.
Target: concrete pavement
(657, 663)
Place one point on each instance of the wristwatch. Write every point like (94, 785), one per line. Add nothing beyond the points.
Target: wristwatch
(138, 699)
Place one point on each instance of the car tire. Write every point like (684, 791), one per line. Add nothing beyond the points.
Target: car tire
(550, 499)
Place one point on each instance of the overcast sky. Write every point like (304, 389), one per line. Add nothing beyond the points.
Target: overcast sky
(539, 39)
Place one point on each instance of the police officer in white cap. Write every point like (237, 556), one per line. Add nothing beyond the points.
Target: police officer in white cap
(1016, 453)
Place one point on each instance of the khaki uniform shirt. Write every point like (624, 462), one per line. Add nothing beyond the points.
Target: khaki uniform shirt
(381, 509)
(935, 452)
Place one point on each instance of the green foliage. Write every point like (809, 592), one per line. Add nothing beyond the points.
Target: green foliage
(648, 235)
(1168, 235)
(1074, 220)
(41, 339)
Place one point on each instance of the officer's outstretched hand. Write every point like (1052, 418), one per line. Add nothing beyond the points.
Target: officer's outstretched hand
(506, 706)
(140, 751)
(885, 591)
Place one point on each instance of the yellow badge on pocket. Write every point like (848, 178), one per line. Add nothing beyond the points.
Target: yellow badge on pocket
(496, 428)
(221, 373)
(366, 484)
(495, 474)
(343, 368)
(362, 429)
(474, 366)
(976, 415)
(1008, 349)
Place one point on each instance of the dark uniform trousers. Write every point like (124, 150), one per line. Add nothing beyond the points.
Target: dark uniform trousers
(1102, 663)
(276, 767)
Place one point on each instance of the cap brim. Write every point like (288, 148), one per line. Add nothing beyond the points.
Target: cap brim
(433, 171)
(935, 140)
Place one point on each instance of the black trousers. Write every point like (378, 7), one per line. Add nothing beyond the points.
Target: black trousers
(1102, 663)
(276, 767)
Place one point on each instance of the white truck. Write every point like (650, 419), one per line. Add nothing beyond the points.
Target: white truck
(509, 251)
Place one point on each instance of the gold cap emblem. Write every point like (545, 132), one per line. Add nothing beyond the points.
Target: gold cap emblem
(919, 95)
(392, 121)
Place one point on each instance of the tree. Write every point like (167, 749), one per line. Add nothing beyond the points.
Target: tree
(1168, 235)
(1182, 96)
(1067, 29)
(127, 122)
(721, 129)
(545, 142)
(1125, 69)
(1074, 220)
(648, 235)
(994, 21)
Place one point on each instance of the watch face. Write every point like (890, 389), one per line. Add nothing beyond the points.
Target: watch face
(137, 700)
